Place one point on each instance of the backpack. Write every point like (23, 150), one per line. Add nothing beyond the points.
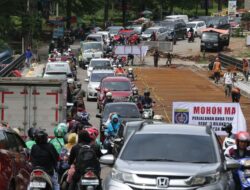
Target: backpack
(211, 65)
(86, 157)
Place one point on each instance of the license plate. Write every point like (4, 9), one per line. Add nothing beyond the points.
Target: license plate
(89, 182)
(36, 184)
(247, 163)
(247, 172)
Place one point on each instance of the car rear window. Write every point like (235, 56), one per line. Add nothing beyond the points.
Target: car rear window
(117, 85)
(170, 147)
(97, 77)
(58, 68)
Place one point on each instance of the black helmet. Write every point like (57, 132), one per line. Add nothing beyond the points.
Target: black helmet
(135, 91)
(84, 136)
(31, 133)
(146, 93)
(79, 85)
(227, 127)
(41, 137)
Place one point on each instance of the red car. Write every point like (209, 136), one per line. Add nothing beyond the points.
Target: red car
(120, 87)
(129, 34)
(14, 166)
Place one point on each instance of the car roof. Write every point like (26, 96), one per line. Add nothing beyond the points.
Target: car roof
(100, 59)
(116, 79)
(174, 129)
(156, 27)
(57, 62)
(115, 27)
(103, 71)
(195, 22)
(90, 42)
(120, 103)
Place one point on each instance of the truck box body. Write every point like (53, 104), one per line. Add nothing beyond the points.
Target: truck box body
(33, 102)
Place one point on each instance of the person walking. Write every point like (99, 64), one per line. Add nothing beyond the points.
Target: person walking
(169, 59)
(216, 70)
(228, 82)
(28, 56)
(156, 57)
(245, 68)
(236, 94)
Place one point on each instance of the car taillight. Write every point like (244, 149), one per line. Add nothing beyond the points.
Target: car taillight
(38, 173)
(89, 174)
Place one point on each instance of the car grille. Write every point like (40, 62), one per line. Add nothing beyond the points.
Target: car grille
(170, 177)
(120, 99)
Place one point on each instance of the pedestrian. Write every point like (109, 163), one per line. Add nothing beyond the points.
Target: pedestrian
(235, 94)
(28, 56)
(228, 82)
(169, 59)
(217, 70)
(245, 68)
(156, 57)
(153, 36)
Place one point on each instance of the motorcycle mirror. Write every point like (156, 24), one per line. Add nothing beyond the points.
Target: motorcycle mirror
(104, 151)
(232, 164)
(108, 159)
(118, 140)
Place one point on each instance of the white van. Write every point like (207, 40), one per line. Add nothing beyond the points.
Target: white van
(174, 17)
(57, 70)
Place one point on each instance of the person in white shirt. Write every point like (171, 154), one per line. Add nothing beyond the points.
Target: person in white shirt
(228, 82)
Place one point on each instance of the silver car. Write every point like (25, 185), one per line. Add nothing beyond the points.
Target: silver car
(161, 33)
(170, 157)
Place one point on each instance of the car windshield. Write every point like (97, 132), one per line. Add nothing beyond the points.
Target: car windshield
(117, 85)
(91, 46)
(100, 63)
(213, 37)
(57, 68)
(170, 147)
(150, 31)
(114, 30)
(94, 38)
(97, 77)
(124, 110)
(189, 25)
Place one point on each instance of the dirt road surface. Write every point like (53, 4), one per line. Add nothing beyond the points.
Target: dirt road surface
(182, 83)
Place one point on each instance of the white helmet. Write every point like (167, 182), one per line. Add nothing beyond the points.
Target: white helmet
(70, 81)
(130, 69)
(109, 94)
(119, 66)
(69, 50)
(158, 117)
(59, 54)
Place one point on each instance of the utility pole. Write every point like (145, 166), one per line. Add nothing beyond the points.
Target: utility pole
(219, 5)
(206, 7)
(106, 12)
(69, 8)
(124, 9)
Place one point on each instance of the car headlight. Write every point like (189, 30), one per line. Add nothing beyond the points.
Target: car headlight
(200, 180)
(216, 44)
(122, 176)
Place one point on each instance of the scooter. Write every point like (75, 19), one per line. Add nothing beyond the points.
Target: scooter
(147, 112)
(39, 179)
(89, 180)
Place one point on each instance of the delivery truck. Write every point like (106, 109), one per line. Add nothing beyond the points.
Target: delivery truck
(33, 102)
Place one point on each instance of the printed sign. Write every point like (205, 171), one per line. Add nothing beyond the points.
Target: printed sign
(202, 113)
(135, 50)
(232, 5)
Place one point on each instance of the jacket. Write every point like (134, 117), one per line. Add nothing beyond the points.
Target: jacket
(58, 143)
(112, 128)
(45, 156)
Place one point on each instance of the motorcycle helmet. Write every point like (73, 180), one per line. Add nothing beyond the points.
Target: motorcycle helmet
(41, 137)
(146, 93)
(109, 94)
(130, 70)
(70, 81)
(31, 133)
(135, 91)
(242, 136)
(119, 66)
(93, 132)
(79, 85)
(82, 117)
(228, 128)
(60, 130)
(69, 50)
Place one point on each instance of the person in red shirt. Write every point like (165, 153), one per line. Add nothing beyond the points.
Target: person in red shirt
(119, 70)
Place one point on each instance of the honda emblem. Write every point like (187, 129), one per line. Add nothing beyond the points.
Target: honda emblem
(162, 182)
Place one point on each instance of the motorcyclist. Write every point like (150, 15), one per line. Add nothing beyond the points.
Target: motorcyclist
(135, 97)
(51, 46)
(108, 99)
(93, 133)
(44, 155)
(228, 129)
(119, 70)
(131, 74)
(83, 139)
(59, 132)
(191, 30)
(31, 133)
(147, 101)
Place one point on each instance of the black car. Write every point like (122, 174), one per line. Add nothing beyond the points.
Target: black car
(128, 111)
(177, 26)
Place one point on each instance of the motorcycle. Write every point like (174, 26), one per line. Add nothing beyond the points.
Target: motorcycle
(243, 173)
(39, 179)
(229, 140)
(147, 112)
(190, 37)
(89, 180)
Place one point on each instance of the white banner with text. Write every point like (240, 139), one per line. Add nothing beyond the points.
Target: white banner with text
(202, 113)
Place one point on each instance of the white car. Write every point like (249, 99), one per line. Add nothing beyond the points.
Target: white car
(57, 70)
(103, 63)
(95, 37)
(105, 35)
(161, 33)
(95, 79)
(113, 30)
(198, 26)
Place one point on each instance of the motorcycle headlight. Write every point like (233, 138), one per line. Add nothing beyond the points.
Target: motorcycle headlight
(200, 180)
(122, 176)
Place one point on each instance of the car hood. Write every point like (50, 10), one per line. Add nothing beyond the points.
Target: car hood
(120, 94)
(165, 168)
(94, 84)
(146, 35)
(96, 54)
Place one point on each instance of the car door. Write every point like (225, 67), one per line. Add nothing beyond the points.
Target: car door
(21, 167)
(161, 34)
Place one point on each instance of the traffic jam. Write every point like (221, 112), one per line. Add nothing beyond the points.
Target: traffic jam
(87, 120)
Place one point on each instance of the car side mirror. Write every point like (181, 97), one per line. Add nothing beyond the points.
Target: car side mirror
(108, 159)
(232, 164)
(86, 80)
(98, 115)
